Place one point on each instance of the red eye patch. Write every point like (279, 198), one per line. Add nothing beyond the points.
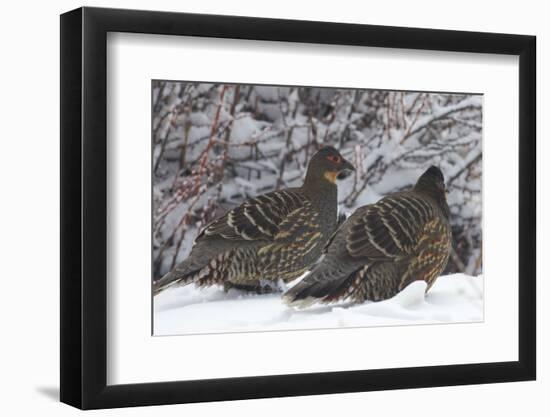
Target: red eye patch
(334, 158)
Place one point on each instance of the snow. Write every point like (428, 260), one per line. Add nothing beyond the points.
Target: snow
(456, 298)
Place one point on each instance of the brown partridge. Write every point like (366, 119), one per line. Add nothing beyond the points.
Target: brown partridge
(278, 235)
(383, 247)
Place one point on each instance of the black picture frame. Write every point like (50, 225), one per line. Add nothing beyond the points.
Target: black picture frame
(84, 207)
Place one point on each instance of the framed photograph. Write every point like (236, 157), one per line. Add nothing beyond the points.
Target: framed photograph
(240, 191)
(256, 208)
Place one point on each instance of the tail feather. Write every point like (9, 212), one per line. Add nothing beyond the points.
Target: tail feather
(189, 272)
(175, 277)
(327, 282)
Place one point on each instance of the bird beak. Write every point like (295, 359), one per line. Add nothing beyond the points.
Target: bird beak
(346, 165)
(345, 169)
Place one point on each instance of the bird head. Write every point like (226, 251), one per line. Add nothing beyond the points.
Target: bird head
(432, 179)
(432, 183)
(328, 164)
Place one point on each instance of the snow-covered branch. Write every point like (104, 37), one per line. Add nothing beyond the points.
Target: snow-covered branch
(215, 145)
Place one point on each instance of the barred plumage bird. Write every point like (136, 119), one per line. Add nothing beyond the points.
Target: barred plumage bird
(383, 247)
(278, 235)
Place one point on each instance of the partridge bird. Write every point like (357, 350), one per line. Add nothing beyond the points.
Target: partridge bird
(383, 247)
(278, 235)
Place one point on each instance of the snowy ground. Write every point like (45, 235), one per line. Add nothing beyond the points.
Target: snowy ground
(189, 310)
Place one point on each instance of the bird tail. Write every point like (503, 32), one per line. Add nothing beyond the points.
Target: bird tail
(174, 277)
(203, 273)
(329, 281)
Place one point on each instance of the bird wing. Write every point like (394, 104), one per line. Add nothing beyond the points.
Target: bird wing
(298, 235)
(434, 248)
(259, 218)
(389, 229)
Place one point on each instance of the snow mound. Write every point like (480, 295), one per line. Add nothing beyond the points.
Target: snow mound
(456, 298)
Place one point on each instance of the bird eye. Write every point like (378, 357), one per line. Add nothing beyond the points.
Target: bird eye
(334, 158)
